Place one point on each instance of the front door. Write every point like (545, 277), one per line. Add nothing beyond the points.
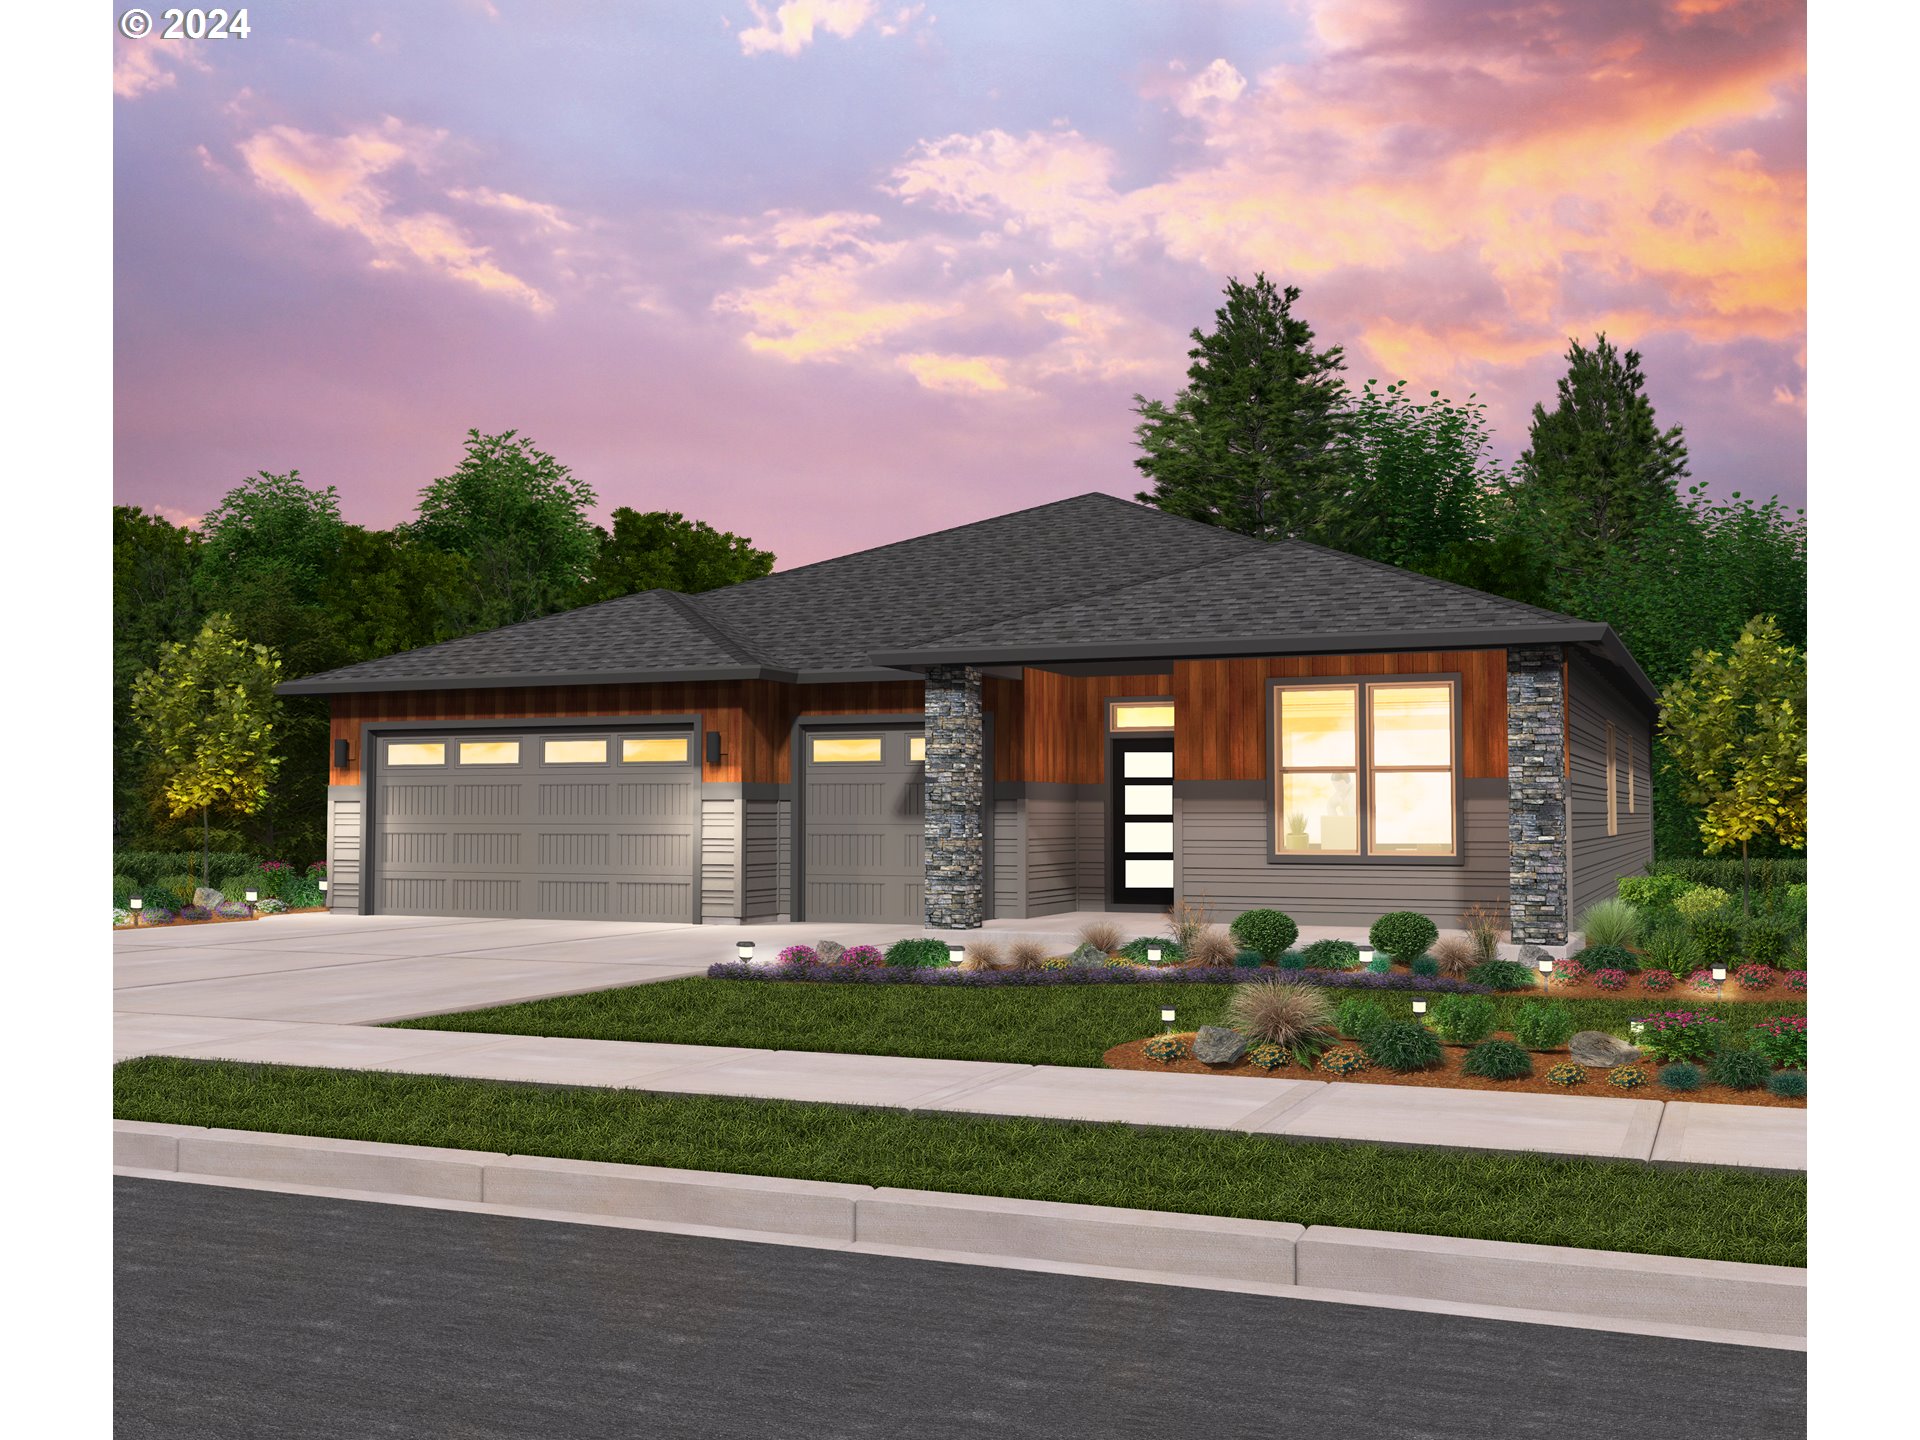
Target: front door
(1140, 814)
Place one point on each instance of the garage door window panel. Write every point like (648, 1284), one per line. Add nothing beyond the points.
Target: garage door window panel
(574, 752)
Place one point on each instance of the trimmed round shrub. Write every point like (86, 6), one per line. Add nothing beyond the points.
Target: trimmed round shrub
(1462, 1019)
(1402, 1046)
(1424, 965)
(1795, 981)
(1682, 1075)
(1788, 1084)
(800, 955)
(1168, 1049)
(1136, 950)
(1627, 1077)
(1609, 957)
(1543, 1025)
(1655, 980)
(1267, 1056)
(1344, 1061)
(1691, 904)
(1611, 979)
(1247, 960)
(1355, 1016)
(1679, 1035)
(1503, 975)
(1498, 1060)
(1332, 955)
(1268, 931)
(1754, 977)
(921, 953)
(861, 957)
(1566, 1075)
(1403, 934)
(1739, 1069)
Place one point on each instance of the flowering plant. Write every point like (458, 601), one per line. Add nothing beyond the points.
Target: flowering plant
(1343, 1061)
(1267, 1056)
(270, 906)
(1656, 979)
(862, 957)
(1795, 981)
(1570, 972)
(1168, 1049)
(1567, 1075)
(318, 869)
(232, 910)
(1783, 1040)
(1703, 981)
(122, 916)
(799, 955)
(1611, 979)
(1679, 1034)
(276, 867)
(1754, 977)
(1626, 1077)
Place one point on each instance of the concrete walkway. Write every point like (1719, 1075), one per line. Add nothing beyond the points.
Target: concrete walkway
(1672, 1131)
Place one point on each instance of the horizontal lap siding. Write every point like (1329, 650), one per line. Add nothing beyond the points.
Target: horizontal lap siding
(1600, 859)
(1223, 867)
(1052, 865)
(719, 860)
(344, 848)
(763, 898)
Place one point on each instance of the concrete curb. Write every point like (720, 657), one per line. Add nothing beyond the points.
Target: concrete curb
(1725, 1300)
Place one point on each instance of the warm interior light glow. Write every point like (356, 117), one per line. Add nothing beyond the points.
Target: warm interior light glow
(1154, 715)
(654, 750)
(1317, 787)
(489, 752)
(845, 750)
(575, 752)
(917, 749)
(1410, 769)
(416, 752)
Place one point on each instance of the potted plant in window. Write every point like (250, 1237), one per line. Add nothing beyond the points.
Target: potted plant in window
(1296, 831)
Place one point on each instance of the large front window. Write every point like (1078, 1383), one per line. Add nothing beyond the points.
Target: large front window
(1365, 769)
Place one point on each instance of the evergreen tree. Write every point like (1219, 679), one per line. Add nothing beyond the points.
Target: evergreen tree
(663, 550)
(1257, 441)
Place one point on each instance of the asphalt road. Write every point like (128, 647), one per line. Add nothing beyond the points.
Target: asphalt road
(249, 1314)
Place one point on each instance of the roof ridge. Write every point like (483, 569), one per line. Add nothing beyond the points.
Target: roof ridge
(1183, 519)
(689, 607)
(1432, 579)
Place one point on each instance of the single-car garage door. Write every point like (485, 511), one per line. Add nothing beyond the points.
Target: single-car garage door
(863, 813)
(577, 825)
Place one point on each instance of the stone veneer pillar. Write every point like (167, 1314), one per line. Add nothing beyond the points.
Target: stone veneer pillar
(956, 770)
(1537, 838)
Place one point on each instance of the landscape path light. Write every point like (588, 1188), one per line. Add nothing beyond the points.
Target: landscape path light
(1166, 1017)
(1719, 980)
(1419, 1007)
(956, 953)
(1546, 975)
(1366, 956)
(253, 899)
(744, 949)
(1153, 958)
(134, 903)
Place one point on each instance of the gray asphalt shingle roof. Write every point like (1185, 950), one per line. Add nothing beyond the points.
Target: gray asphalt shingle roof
(1091, 577)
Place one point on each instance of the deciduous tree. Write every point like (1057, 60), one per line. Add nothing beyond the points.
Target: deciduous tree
(663, 550)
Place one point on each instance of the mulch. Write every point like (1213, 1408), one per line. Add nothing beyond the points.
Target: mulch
(222, 919)
(1132, 1056)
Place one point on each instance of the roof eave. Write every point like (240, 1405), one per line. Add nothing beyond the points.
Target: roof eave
(331, 685)
(1214, 647)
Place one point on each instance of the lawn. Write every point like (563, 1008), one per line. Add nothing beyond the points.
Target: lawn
(1712, 1214)
(1040, 1025)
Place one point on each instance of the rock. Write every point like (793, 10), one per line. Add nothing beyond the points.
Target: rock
(1597, 1048)
(206, 899)
(829, 951)
(1217, 1045)
(1088, 955)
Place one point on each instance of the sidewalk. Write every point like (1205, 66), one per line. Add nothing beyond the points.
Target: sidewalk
(1592, 1126)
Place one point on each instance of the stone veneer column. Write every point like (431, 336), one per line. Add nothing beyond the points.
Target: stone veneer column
(1537, 838)
(956, 768)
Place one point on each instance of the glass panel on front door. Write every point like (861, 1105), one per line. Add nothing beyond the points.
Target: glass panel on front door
(1140, 821)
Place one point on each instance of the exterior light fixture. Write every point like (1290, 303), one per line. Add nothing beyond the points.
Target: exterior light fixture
(1419, 1007)
(253, 897)
(744, 949)
(956, 953)
(1634, 1027)
(1366, 956)
(1166, 1017)
(1153, 958)
(1719, 973)
(134, 905)
(323, 887)
(1546, 973)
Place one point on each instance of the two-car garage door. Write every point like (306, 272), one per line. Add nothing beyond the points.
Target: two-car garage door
(577, 825)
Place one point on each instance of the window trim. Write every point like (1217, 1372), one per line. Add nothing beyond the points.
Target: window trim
(1451, 770)
(1613, 782)
(1115, 702)
(1363, 756)
(1632, 789)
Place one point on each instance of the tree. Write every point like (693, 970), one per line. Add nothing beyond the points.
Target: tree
(663, 550)
(271, 543)
(1597, 469)
(155, 603)
(208, 713)
(1257, 440)
(520, 518)
(1420, 477)
(1736, 728)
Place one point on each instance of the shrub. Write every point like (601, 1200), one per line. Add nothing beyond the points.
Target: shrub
(1402, 1046)
(1498, 1060)
(1739, 1069)
(270, 906)
(125, 887)
(173, 890)
(1681, 1076)
(1268, 931)
(1626, 1077)
(1795, 981)
(195, 912)
(1103, 935)
(122, 915)
(1543, 1024)
(147, 867)
(1277, 1012)
(1026, 954)
(1653, 892)
(1212, 946)
(1567, 1075)
(1343, 1061)
(1136, 950)
(1754, 977)
(1380, 965)
(861, 957)
(235, 887)
(1796, 956)
(1403, 934)
(1716, 937)
(1462, 1019)
(1700, 901)
(1267, 1057)
(1502, 975)
(1291, 960)
(1655, 980)
(1769, 876)
(1783, 1040)
(233, 910)
(1332, 955)
(1680, 1035)
(1611, 979)
(1355, 1016)
(1569, 972)
(1168, 1049)
(1247, 960)
(1484, 928)
(1670, 948)
(924, 953)
(1609, 957)
(1611, 923)
(1424, 965)
(1454, 955)
(1703, 982)
(799, 955)
(1765, 943)
(1788, 1084)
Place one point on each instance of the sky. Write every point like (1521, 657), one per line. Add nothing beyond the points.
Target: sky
(831, 273)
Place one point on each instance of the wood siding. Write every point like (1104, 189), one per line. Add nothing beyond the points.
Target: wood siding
(1066, 723)
(1599, 859)
(1221, 732)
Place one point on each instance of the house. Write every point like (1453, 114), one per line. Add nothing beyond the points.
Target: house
(1084, 705)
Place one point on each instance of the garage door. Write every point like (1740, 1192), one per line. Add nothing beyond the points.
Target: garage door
(864, 819)
(577, 825)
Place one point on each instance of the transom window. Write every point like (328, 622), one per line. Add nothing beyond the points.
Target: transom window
(654, 750)
(416, 752)
(574, 752)
(1365, 769)
(845, 749)
(1129, 715)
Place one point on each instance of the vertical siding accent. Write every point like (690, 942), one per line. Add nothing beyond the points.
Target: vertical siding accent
(720, 845)
(1599, 860)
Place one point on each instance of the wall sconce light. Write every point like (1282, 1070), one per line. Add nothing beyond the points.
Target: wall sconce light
(713, 747)
(744, 949)
(341, 754)
(1166, 1018)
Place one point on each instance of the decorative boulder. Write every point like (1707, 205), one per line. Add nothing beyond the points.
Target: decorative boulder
(1217, 1045)
(1088, 955)
(829, 951)
(206, 899)
(1599, 1049)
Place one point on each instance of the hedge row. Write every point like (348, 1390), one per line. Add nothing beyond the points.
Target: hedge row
(149, 866)
(1729, 875)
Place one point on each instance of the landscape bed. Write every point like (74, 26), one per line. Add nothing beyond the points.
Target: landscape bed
(1700, 1213)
